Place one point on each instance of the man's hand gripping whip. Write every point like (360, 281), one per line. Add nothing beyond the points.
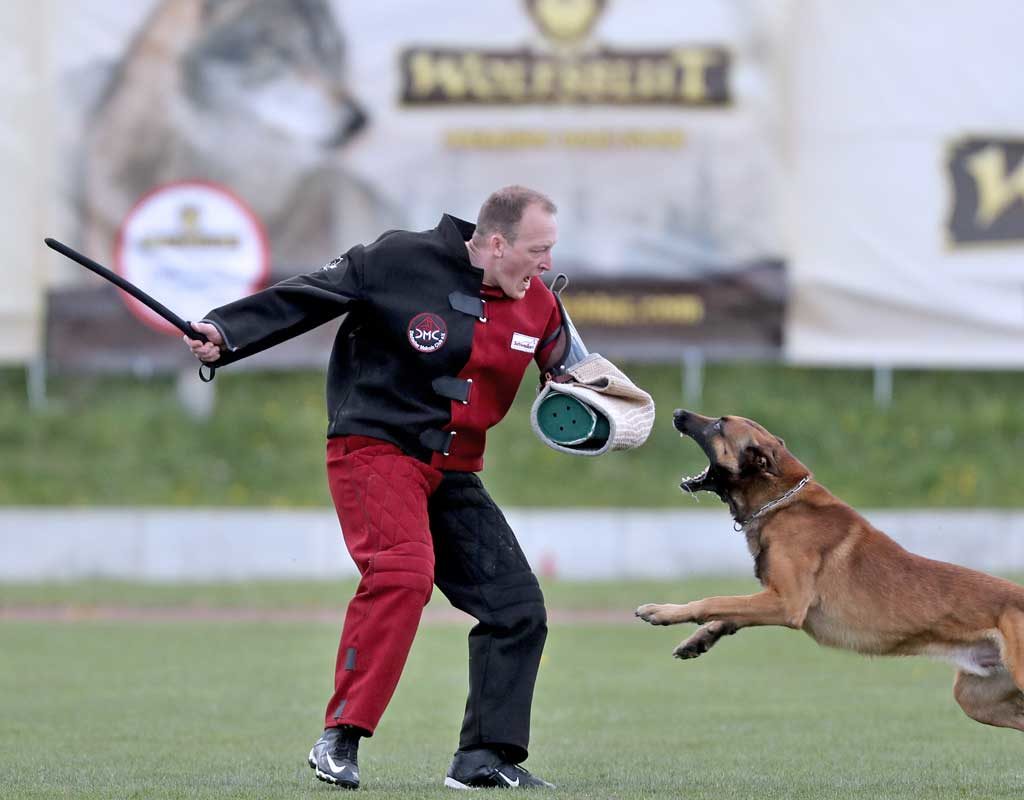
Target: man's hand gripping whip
(137, 293)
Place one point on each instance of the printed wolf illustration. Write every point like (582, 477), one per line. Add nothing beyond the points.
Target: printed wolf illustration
(825, 570)
(251, 94)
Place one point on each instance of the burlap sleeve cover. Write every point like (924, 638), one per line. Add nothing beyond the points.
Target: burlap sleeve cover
(599, 384)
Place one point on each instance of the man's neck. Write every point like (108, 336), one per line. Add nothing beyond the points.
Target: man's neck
(477, 260)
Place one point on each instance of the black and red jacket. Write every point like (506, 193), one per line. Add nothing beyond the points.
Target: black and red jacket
(427, 357)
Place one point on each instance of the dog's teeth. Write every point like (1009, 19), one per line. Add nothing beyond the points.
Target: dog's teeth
(702, 474)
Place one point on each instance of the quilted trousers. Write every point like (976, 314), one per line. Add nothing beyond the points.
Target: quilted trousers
(406, 526)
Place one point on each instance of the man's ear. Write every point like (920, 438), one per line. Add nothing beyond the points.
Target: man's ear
(498, 244)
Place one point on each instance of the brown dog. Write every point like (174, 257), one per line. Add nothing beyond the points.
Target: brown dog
(827, 571)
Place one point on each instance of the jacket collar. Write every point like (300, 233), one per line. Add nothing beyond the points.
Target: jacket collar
(456, 232)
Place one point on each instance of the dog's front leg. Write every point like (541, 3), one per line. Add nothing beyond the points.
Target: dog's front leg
(667, 613)
(763, 608)
(704, 639)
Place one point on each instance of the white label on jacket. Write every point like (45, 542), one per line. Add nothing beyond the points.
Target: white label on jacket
(520, 341)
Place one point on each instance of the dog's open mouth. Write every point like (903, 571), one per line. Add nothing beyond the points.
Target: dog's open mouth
(695, 429)
(698, 482)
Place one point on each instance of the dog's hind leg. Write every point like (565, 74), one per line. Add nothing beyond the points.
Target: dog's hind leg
(992, 700)
(998, 698)
(1011, 626)
(704, 638)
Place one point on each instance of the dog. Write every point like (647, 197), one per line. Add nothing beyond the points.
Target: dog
(825, 570)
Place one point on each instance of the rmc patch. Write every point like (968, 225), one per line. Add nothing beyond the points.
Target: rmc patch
(427, 332)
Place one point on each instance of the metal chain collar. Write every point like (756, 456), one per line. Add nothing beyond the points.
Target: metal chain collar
(739, 526)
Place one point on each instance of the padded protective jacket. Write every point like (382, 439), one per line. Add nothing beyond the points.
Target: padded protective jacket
(427, 357)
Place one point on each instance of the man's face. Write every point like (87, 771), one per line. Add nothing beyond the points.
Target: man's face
(529, 257)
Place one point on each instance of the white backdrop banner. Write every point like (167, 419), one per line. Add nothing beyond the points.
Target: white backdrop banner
(656, 129)
(867, 157)
(908, 205)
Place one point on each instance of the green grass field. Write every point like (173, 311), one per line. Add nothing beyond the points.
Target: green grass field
(101, 709)
(949, 439)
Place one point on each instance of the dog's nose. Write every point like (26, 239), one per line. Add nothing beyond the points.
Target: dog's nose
(680, 414)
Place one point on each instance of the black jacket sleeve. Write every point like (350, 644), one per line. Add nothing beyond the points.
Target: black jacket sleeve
(289, 308)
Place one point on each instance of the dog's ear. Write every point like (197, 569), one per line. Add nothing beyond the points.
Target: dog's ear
(759, 458)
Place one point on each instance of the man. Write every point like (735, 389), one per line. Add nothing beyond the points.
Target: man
(439, 329)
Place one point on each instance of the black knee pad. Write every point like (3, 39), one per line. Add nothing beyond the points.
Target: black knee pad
(516, 601)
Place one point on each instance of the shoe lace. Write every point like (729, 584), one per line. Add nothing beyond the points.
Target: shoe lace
(509, 765)
(346, 746)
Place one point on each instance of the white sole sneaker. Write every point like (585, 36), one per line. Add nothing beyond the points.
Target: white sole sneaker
(451, 783)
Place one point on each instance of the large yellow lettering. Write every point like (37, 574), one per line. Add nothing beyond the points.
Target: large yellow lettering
(695, 63)
(996, 188)
(430, 74)
(655, 78)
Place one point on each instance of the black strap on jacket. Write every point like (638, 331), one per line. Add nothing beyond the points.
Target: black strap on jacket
(439, 441)
(467, 304)
(453, 388)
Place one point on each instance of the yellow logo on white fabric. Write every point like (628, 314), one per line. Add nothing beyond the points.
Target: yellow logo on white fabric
(987, 180)
(565, 21)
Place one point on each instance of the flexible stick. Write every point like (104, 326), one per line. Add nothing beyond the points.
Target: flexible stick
(135, 292)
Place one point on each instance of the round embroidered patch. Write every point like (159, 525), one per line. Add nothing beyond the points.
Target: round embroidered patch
(427, 332)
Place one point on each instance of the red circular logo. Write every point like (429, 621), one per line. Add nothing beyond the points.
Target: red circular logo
(427, 332)
(193, 244)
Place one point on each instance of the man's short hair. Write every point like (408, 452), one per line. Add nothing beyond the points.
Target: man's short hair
(503, 211)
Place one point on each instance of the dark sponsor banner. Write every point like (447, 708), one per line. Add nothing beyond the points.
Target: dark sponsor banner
(987, 176)
(572, 72)
(681, 76)
(734, 312)
(93, 330)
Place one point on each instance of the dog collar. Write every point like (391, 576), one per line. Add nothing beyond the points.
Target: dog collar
(738, 526)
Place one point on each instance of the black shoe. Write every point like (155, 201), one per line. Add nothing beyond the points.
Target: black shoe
(334, 757)
(488, 769)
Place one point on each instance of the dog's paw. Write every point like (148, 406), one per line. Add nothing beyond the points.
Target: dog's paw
(704, 638)
(692, 648)
(657, 614)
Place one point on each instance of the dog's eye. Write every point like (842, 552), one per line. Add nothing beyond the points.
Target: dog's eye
(718, 426)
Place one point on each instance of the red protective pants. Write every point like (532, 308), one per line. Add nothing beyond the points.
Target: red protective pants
(381, 496)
